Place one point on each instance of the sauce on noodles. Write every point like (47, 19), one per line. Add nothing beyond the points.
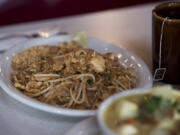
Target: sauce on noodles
(70, 76)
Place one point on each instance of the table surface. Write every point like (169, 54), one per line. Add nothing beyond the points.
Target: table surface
(127, 27)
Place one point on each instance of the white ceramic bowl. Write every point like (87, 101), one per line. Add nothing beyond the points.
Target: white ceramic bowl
(144, 79)
(100, 115)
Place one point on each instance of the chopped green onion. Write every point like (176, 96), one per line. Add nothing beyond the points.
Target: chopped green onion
(178, 110)
(164, 104)
(89, 81)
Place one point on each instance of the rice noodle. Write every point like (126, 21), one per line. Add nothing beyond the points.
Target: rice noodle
(124, 87)
(61, 56)
(92, 89)
(42, 92)
(70, 76)
(73, 76)
(76, 99)
(46, 75)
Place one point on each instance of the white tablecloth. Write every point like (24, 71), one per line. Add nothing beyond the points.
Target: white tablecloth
(126, 27)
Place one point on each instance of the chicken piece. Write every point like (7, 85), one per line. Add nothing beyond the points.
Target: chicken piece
(58, 65)
(73, 60)
(110, 56)
(98, 63)
(18, 85)
(30, 86)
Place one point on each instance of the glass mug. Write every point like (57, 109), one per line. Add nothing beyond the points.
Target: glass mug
(166, 42)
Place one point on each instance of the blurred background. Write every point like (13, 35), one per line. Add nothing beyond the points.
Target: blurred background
(18, 11)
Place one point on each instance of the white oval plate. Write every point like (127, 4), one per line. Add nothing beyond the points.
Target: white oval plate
(86, 127)
(127, 58)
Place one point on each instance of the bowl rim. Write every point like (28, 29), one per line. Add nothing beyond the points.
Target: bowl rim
(100, 113)
(52, 109)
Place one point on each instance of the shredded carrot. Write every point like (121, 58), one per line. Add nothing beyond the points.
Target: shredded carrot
(130, 121)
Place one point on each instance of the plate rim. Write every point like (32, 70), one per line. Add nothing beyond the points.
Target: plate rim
(78, 125)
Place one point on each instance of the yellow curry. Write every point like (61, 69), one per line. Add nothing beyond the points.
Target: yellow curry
(153, 113)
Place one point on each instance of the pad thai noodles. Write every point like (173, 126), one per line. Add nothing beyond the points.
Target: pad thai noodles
(69, 75)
